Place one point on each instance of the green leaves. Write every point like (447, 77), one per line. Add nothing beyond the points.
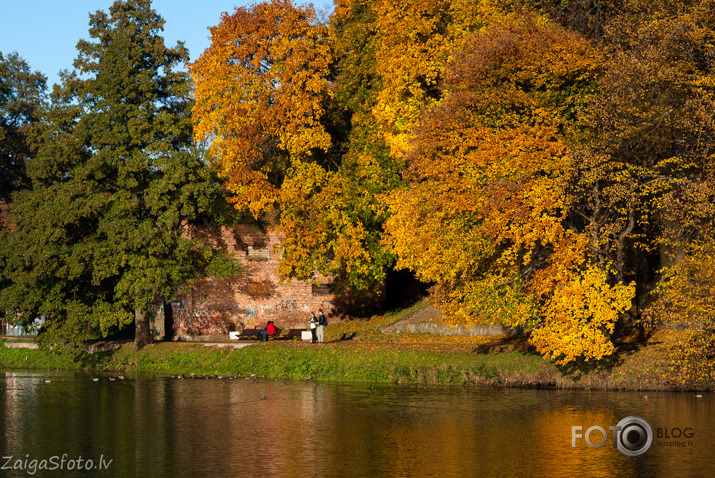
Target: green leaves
(116, 181)
(22, 96)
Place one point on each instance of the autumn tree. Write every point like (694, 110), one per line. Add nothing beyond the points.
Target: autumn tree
(653, 126)
(412, 44)
(485, 215)
(333, 214)
(649, 126)
(389, 61)
(684, 299)
(100, 235)
(587, 17)
(261, 89)
(287, 130)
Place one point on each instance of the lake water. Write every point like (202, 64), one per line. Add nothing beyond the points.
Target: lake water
(167, 427)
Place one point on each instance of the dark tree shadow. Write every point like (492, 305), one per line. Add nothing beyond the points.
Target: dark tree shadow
(627, 340)
(400, 290)
(511, 343)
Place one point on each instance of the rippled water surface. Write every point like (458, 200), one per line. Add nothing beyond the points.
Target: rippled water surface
(166, 427)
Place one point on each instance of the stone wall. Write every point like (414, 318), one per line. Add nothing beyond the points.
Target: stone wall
(218, 306)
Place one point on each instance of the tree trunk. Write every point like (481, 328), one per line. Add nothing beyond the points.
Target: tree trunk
(620, 243)
(142, 336)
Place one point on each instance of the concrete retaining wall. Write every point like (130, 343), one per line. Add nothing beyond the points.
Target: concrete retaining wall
(433, 328)
(20, 345)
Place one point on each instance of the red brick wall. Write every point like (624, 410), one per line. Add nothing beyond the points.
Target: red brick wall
(217, 306)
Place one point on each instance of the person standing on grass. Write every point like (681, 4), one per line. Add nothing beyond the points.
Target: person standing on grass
(322, 322)
(313, 327)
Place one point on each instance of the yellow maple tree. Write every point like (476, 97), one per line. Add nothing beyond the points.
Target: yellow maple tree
(260, 91)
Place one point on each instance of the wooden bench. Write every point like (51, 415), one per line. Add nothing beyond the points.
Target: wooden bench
(256, 333)
(292, 333)
(276, 335)
(240, 334)
(286, 334)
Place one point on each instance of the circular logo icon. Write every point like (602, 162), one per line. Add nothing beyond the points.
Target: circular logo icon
(634, 436)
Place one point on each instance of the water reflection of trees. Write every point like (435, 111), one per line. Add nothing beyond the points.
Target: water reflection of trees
(204, 427)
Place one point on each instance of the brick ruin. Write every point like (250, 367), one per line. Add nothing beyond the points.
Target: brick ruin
(215, 307)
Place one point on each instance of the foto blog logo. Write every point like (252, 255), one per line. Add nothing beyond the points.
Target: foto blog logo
(632, 436)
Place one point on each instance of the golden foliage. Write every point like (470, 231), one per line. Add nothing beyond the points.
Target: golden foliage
(684, 299)
(580, 315)
(526, 170)
(483, 215)
(411, 43)
(260, 89)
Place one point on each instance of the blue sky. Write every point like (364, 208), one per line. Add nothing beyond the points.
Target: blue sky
(45, 32)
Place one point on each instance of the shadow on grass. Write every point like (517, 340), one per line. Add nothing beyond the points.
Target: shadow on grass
(626, 341)
(96, 354)
(96, 360)
(514, 343)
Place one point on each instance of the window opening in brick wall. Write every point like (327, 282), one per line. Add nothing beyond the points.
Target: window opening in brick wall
(321, 289)
(258, 253)
(258, 288)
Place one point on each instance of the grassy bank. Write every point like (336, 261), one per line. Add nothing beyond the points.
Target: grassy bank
(373, 357)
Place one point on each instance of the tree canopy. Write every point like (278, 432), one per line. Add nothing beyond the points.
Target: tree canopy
(101, 233)
(538, 162)
(547, 165)
(22, 95)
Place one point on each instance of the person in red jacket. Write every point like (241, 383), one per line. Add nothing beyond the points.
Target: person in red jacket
(269, 330)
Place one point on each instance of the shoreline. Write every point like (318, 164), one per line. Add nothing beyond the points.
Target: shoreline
(417, 359)
(357, 350)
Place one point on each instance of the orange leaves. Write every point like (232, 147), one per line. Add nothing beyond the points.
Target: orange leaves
(484, 215)
(496, 191)
(524, 69)
(265, 104)
(260, 89)
(485, 107)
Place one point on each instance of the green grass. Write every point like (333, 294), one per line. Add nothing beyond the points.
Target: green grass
(352, 362)
(371, 357)
(33, 359)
